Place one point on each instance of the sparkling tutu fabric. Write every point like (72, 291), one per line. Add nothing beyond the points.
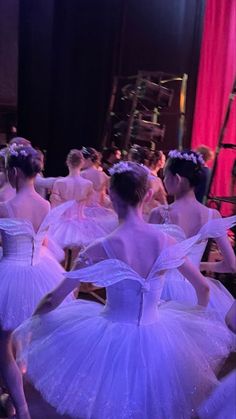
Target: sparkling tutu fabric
(178, 288)
(76, 227)
(27, 270)
(222, 402)
(132, 359)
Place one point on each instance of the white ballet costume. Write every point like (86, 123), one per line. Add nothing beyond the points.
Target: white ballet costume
(27, 270)
(221, 404)
(74, 228)
(178, 288)
(105, 217)
(131, 359)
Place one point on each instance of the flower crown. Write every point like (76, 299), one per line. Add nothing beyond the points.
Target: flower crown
(121, 167)
(14, 150)
(124, 166)
(195, 158)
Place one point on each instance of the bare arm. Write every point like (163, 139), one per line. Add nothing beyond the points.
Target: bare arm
(189, 271)
(53, 299)
(228, 262)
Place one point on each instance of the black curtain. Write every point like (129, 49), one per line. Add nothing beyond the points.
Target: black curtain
(70, 50)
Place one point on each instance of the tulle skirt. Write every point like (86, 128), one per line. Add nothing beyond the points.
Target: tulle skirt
(222, 402)
(177, 288)
(104, 217)
(90, 367)
(76, 233)
(22, 287)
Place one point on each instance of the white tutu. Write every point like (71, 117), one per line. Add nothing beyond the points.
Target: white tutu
(178, 288)
(27, 270)
(222, 402)
(74, 229)
(104, 217)
(129, 359)
(88, 366)
(22, 287)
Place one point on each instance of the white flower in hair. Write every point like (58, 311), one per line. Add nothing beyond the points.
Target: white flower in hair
(195, 158)
(121, 167)
(16, 150)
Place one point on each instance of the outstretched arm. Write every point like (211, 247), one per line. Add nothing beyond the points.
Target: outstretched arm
(228, 262)
(53, 299)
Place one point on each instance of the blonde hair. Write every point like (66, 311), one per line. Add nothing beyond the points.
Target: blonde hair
(74, 158)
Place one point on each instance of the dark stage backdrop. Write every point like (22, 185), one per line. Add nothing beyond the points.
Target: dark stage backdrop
(69, 51)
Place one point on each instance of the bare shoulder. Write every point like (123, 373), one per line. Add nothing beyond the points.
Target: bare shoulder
(41, 204)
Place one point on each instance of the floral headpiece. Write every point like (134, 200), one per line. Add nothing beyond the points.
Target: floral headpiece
(124, 166)
(14, 150)
(195, 158)
(17, 150)
(121, 167)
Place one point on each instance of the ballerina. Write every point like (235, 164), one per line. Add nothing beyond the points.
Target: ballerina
(27, 272)
(99, 203)
(155, 164)
(74, 229)
(187, 217)
(131, 358)
(98, 178)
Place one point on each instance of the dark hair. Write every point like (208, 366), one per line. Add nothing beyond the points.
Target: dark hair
(186, 168)
(26, 158)
(139, 154)
(108, 152)
(155, 157)
(90, 153)
(74, 158)
(132, 185)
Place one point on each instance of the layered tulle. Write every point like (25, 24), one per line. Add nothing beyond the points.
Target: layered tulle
(179, 289)
(222, 403)
(88, 366)
(23, 286)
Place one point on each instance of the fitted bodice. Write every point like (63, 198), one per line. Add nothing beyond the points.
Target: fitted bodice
(21, 245)
(132, 302)
(130, 297)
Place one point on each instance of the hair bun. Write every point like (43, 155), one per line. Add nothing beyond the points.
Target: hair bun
(25, 158)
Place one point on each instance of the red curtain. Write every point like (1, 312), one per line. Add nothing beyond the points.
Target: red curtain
(217, 72)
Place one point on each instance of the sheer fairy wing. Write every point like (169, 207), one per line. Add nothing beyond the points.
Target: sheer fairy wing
(105, 273)
(14, 226)
(217, 227)
(173, 256)
(54, 214)
(172, 230)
